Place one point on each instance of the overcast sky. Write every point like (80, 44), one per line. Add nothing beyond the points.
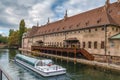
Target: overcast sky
(33, 11)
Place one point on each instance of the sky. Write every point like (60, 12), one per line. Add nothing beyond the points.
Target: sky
(33, 11)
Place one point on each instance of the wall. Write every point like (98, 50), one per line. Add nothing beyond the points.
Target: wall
(96, 34)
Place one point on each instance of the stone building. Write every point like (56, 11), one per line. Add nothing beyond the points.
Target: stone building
(97, 31)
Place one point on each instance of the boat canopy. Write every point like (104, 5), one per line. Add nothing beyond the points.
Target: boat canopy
(28, 60)
(47, 61)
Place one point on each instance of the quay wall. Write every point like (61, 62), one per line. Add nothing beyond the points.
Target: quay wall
(96, 64)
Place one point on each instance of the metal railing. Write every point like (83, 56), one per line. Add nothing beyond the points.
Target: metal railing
(2, 71)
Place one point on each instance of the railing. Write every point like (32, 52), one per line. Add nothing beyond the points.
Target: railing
(85, 53)
(2, 71)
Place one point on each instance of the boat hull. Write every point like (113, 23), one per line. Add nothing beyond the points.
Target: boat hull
(45, 74)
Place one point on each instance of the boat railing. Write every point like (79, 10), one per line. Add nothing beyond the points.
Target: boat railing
(2, 71)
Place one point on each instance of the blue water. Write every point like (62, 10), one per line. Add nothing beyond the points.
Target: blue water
(74, 72)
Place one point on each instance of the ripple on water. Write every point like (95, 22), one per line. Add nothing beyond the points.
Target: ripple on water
(74, 72)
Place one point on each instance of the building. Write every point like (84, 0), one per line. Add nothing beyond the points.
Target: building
(97, 31)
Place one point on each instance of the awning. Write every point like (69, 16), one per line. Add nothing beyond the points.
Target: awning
(115, 37)
(72, 40)
(39, 41)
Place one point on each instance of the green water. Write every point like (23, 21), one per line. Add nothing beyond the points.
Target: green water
(74, 72)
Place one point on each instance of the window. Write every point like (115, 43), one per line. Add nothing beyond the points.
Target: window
(77, 25)
(113, 29)
(89, 30)
(79, 45)
(70, 27)
(87, 23)
(96, 29)
(83, 44)
(57, 28)
(99, 20)
(102, 44)
(60, 43)
(116, 29)
(89, 44)
(95, 45)
(102, 29)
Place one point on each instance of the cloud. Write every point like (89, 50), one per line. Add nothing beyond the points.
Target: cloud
(41, 11)
(33, 11)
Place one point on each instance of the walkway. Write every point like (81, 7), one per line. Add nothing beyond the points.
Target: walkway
(65, 51)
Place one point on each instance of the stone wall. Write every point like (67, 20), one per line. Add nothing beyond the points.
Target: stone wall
(96, 34)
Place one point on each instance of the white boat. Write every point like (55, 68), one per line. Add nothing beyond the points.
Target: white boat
(43, 67)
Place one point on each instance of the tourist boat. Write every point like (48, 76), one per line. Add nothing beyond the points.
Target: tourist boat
(44, 67)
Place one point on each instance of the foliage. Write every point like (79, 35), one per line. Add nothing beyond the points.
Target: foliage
(13, 39)
(3, 39)
(11, 31)
(15, 36)
(22, 29)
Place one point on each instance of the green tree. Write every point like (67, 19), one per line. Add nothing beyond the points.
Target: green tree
(3, 39)
(22, 29)
(11, 31)
(13, 40)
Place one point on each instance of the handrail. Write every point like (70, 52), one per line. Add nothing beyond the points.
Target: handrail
(5, 73)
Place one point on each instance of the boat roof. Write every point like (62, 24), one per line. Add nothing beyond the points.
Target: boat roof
(34, 60)
(30, 59)
(46, 61)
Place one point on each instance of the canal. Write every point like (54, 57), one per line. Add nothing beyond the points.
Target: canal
(74, 72)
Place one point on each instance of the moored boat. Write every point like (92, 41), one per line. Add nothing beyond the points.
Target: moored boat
(44, 67)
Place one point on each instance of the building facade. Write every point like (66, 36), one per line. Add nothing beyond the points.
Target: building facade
(97, 31)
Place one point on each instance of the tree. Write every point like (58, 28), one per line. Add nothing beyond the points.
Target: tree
(13, 40)
(22, 29)
(11, 31)
(3, 39)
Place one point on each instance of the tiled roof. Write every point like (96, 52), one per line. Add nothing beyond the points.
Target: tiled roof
(96, 17)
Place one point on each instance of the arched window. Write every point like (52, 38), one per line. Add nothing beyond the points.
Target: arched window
(78, 44)
(102, 44)
(83, 44)
(89, 44)
(95, 45)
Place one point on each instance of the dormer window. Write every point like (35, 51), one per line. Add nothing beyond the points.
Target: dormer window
(109, 11)
(57, 28)
(77, 25)
(87, 23)
(69, 27)
(99, 20)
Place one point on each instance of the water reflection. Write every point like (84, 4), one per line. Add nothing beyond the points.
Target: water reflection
(74, 72)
